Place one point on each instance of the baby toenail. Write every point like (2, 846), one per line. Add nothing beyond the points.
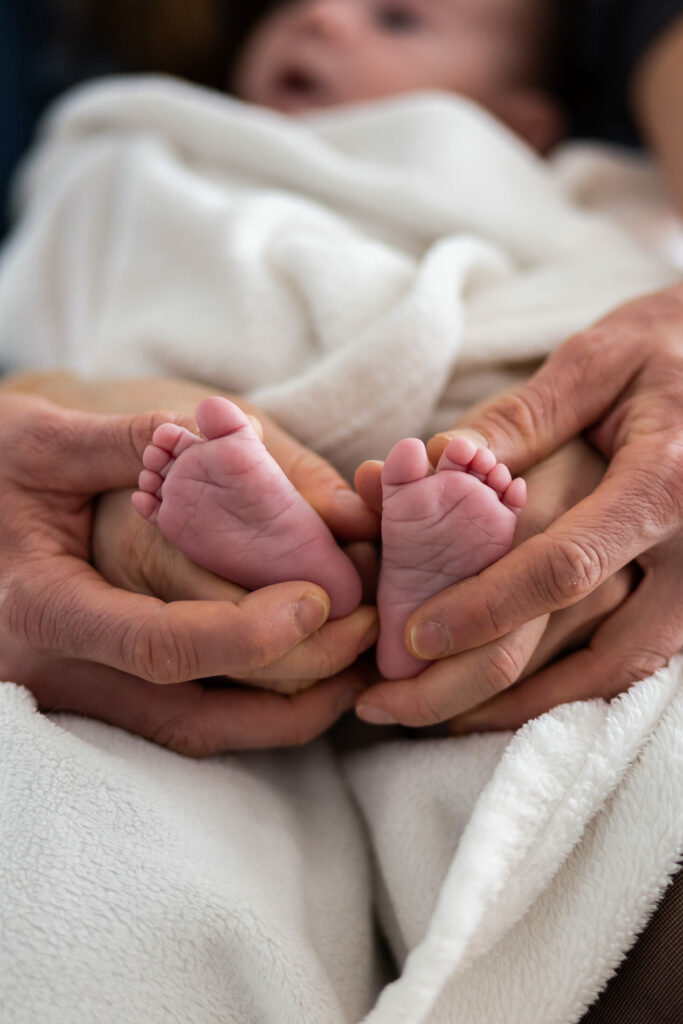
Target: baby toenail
(310, 613)
(430, 640)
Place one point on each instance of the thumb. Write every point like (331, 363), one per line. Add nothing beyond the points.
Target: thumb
(325, 489)
(84, 453)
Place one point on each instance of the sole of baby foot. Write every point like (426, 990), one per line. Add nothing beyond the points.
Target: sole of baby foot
(438, 527)
(227, 505)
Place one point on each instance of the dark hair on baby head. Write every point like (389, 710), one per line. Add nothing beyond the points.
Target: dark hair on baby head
(195, 39)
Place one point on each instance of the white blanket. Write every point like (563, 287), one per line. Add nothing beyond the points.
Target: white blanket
(361, 274)
(358, 274)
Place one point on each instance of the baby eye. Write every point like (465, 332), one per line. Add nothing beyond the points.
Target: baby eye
(397, 18)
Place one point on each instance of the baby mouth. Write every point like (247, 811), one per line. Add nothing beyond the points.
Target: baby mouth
(301, 86)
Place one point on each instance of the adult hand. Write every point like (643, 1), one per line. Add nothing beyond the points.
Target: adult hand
(72, 639)
(347, 516)
(622, 380)
(133, 555)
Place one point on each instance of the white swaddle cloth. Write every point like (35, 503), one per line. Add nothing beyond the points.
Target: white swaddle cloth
(361, 274)
(352, 272)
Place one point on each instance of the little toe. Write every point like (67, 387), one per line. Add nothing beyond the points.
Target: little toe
(499, 479)
(150, 482)
(514, 496)
(457, 454)
(218, 417)
(147, 505)
(406, 462)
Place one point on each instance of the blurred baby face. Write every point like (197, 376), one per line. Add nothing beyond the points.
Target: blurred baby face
(309, 54)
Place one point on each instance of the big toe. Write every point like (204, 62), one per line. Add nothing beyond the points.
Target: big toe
(406, 462)
(217, 417)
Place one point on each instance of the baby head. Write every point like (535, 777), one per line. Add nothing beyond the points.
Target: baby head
(309, 54)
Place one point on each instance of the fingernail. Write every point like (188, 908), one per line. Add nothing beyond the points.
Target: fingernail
(310, 613)
(430, 640)
(373, 715)
(369, 639)
(472, 435)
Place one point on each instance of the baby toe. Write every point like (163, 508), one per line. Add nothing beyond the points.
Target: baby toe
(515, 495)
(499, 479)
(155, 458)
(406, 462)
(482, 462)
(150, 482)
(457, 454)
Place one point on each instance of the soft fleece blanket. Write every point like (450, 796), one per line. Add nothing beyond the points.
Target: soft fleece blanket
(361, 274)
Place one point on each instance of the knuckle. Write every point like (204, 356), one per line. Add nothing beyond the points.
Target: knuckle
(670, 472)
(250, 650)
(573, 568)
(43, 435)
(35, 604)
(502, 666)
(425, 710)
(181, 735)
(516, 415)
(161, 654)
(630, 668)
(140, 429)
(491, 616)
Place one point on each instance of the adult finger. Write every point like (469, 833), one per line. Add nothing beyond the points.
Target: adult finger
(158, 569)
(632, 644)
(368, 483)
(134, 555)
(81, 452)
(330, 650)
(323, 487)
(575, 386)
(191, 718)
(572, 628)
(559, 567)
(62, 604)
(468, 679)
(448, 687)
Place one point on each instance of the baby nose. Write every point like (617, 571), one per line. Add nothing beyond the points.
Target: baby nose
(330, 19)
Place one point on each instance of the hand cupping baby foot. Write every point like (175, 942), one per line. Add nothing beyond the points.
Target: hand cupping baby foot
(227, 505)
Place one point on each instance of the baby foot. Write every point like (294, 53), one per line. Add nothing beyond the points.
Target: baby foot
(437, 529)
(226, 504)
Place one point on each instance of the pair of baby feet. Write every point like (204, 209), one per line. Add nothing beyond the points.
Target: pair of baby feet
(227, 505)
